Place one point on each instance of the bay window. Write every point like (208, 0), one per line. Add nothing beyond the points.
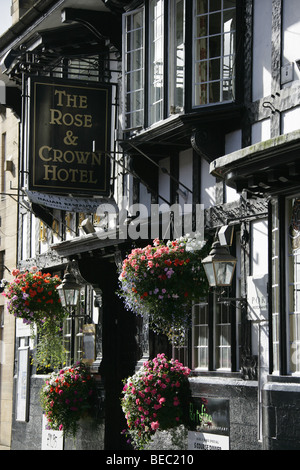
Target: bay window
(177, 56)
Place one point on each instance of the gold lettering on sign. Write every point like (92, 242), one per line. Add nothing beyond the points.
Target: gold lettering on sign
(73, 175)
(48, 154)
(68, 119)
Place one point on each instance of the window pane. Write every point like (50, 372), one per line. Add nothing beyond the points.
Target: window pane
(133, 67)
(200, 336)
(215, 47)
(215, 5)
(214, 41)
(201, 6)
(176, 56)
(214, 23)
(156, 61)
(222, 336)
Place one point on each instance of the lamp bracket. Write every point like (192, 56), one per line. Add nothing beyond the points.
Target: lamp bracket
(228, 300)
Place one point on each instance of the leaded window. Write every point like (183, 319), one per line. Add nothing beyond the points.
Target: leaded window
(214, 51)
(133, 69)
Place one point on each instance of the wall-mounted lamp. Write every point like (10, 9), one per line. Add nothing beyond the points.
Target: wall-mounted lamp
(219, 266)
(69, 291)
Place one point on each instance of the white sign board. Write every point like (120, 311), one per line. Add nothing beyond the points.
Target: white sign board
(257, 296)
(22, 384)
(51, 440)
(22, 330)
(207, 441)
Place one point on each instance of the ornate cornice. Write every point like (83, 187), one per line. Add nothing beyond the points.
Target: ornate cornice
(235, 212)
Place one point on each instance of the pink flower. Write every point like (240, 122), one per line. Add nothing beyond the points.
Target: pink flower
(154, 425)
(176, 402)
(162, 400)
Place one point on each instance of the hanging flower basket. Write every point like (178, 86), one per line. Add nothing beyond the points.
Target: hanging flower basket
(161, 281)
(68, 396)
(33, 297)
(155, 398)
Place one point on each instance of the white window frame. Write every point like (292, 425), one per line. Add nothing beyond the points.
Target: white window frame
(131, 113)
(156, 62)
(200, 341)
(176, 59)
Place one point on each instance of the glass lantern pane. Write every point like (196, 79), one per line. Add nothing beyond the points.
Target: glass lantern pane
(209, 270)
(224, 272)
(62, 297)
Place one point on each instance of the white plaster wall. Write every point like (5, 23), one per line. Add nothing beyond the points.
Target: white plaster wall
(262, 24)
(259, 249)
(233, 142)
(208, 191)
(164, 181)
(145, 197)
(290, 120)
(186, 175)
(260, 131)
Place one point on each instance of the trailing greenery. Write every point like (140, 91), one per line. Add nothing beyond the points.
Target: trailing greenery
(32, 297)
(161, 281)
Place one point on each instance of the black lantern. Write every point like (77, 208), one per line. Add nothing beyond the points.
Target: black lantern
(219, 266)
(69, 291)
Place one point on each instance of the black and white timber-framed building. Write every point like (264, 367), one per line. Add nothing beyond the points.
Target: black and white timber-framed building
(204, 108)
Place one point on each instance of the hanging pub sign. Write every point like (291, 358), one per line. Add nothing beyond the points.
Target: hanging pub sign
(70, 130)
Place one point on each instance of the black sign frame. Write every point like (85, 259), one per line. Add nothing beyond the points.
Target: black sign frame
(210, 415)
(69, 136)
